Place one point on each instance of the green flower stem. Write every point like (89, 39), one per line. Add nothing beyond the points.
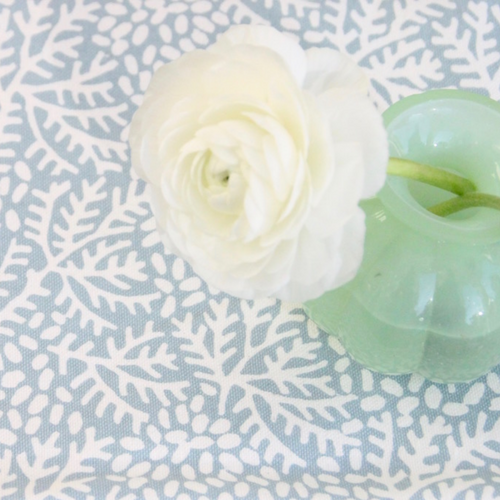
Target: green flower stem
(430, 175)
(468, 200)
(468, 197)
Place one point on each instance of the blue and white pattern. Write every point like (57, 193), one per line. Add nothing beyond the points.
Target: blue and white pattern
(122, 375)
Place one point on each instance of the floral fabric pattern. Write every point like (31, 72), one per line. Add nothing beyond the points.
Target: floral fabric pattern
(122, 374)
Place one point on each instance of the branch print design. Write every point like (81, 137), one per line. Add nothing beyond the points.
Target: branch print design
(122, 374)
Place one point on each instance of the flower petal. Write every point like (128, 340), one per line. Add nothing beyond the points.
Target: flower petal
(264, 36)
(355, 120)
(340, 199)
(328, 69)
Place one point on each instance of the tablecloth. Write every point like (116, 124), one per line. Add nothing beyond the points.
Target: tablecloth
(122, 374)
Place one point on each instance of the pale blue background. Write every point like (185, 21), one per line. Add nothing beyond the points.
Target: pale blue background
(122, 375)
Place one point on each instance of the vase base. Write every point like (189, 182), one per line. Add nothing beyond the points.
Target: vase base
(394, 350)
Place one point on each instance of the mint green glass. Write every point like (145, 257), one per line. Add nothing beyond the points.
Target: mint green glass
(427, 296)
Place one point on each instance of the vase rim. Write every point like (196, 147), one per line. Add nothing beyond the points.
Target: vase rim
(437, 95)
(395, 194)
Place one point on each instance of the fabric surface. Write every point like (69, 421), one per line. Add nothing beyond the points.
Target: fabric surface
(122, 375)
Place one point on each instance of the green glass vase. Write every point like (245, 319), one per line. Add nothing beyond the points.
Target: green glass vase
(427, 296)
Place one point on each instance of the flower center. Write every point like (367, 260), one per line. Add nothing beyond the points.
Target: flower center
(224, 183)
(217, 172)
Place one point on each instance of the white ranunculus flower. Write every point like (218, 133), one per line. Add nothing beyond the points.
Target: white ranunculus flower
(257, 153)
